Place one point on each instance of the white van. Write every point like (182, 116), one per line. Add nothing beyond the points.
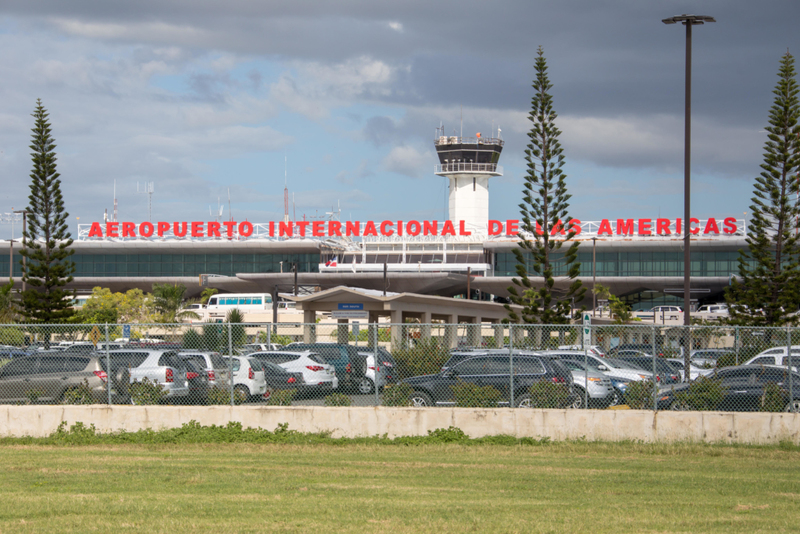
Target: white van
(219, 305)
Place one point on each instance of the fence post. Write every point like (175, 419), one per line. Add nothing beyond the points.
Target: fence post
(230, 360)
(655, 380)
(109, 374)
(736, 342)
(378, 367)
(511, 365)
(789, 366)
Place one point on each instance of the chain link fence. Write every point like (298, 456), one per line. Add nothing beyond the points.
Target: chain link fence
(346, 363)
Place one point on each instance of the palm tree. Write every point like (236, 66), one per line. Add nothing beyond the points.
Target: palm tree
(167, 302)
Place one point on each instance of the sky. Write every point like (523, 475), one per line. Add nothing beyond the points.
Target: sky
(223, 104)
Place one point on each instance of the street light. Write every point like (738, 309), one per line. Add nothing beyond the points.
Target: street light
(688, 21)
(594, 274)
(24, 228)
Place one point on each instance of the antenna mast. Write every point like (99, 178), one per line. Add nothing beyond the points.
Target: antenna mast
(285, 192)
(148, 189)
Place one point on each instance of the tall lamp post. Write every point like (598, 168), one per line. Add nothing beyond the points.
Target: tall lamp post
(688, 21)
(24, 229)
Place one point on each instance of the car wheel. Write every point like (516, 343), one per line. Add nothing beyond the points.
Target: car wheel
(616, 399)
(524, 402)
(577, 404)
(420, 400)
(366, 386)
(678, 406)
(242, 390)
(793, 406)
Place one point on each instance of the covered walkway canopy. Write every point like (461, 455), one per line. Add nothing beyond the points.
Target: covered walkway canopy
(398, 307)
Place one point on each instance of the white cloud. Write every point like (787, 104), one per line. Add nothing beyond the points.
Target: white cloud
(408, 161)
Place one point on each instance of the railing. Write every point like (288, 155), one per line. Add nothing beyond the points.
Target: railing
(479, 168)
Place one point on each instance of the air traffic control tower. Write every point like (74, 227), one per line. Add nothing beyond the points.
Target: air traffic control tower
(469, 162)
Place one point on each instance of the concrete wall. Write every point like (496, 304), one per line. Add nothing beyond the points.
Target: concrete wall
(606, 425)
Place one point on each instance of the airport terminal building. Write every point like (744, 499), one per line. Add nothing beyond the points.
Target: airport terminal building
(640, 260)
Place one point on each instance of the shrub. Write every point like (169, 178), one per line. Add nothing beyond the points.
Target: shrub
(192, 339)
(639, 395)
(397, 395)
(728, 360)
(80, 394)
(282, 397)
(337, 399)
(425, 358)
(549, 395)
(147, 392)
(33, 395)
(705, 394)
(774, 398)
(218, 395)
(278, 339)
(11, 335)
(451, 434)
(470, 395)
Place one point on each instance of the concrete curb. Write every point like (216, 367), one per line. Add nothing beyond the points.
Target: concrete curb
(592, 425)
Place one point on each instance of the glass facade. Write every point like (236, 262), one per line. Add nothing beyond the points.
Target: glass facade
(101, 265)
(635, 263)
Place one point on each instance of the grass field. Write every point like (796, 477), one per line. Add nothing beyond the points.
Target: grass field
(374, 487)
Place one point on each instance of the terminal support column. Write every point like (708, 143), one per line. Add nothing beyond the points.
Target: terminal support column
(309, 326)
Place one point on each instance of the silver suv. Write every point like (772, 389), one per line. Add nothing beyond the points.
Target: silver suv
(53, 377)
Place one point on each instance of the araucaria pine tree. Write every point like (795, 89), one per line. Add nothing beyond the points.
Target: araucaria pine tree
(545, 226)
(46, 239)
(767, 290)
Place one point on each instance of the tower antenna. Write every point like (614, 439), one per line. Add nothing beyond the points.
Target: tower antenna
(148, 189)
(285, 191)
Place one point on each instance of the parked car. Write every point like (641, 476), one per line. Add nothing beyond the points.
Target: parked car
(595, 350)
(610, 367)
(318, 375)
(278, 378)
(646, 348)
(714, 310)
(50, 377)
(351, 368)
(198, 383)
(708, 357)
(385, 370)
(694, 371)
(79, 348)
(776, 356)
(665, 372)
(163, 367)
(590, 382)
(744, 388)
(493, 370)
(248, 376)
(213, 365)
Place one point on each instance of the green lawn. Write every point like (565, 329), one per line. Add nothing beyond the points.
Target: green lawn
(551, 487)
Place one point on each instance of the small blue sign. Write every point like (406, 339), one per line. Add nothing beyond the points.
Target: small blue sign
(350, 306)
(126, 331)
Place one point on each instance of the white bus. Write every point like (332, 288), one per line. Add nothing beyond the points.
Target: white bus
(219, 305)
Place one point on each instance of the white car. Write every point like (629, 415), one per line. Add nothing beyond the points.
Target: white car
(694, 372)
(594, 350)
(317, 373)
(164, 367)
(608, 366)
(776, 356)
(713, 309)
(248, 376)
